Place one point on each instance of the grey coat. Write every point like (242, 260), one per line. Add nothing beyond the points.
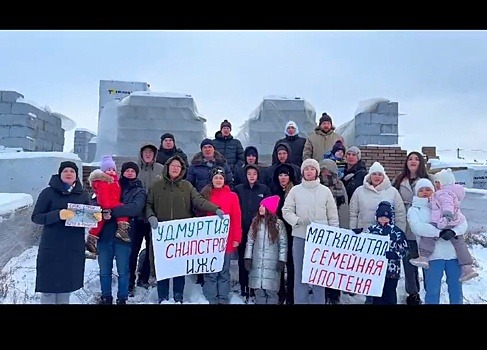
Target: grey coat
(265, 254)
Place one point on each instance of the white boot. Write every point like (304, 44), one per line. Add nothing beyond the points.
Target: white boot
(422, 261)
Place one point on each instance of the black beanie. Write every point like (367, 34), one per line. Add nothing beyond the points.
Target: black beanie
(325, 118)
(130, 165)
(218, 170)
(225, 123)
(167, 136)
(384, 209)
(68, 164)
(206, 142)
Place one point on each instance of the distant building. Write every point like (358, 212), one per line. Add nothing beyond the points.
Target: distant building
(82, 138)
(32, 128)
(91, 149)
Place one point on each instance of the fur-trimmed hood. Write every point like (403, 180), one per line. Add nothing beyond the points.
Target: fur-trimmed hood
(198, 159)
(97, 174)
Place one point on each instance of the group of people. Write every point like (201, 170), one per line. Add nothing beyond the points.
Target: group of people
(315, 179)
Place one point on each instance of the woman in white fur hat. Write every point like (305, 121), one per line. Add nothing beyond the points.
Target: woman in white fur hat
(310, 201)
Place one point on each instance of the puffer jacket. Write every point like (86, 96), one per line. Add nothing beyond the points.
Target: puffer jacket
(265, 254)
(231, 149)
(365, 199)
(309, 200)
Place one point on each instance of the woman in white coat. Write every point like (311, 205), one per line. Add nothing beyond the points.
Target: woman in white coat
(308, 202)
(444, 258)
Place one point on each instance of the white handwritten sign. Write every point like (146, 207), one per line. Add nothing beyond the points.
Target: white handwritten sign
(341, 259)
(190, 246)
(83, 215)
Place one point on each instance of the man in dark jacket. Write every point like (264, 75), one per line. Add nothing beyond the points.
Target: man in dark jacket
(168, 149)
(231, 149)
(199, 171)
(251, 157)
(294, 141)
(249, 193)
(282, 153)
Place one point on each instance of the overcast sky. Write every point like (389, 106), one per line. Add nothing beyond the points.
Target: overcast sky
(439, 78)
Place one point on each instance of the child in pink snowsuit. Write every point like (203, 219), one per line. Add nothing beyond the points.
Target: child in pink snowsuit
(446, 214)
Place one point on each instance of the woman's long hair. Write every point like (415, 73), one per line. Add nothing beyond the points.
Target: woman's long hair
(206, 191)
(270, 221)
(405, 173)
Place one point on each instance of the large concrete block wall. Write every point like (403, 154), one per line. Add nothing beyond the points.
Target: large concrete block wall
(82, 139)
(26, 126)
(379, 127)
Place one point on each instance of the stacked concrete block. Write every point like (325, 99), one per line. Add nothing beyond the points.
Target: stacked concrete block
(267, 123)
(82, 140)
(143, 117)
(26, 126)
(378, 127)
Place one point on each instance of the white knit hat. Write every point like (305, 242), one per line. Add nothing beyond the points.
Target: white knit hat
(310, 162)
(377, 168)
(445, 177)
(423, 183)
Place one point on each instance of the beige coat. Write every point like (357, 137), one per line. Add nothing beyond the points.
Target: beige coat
(366, 198)
(318, 143)
(309, 200)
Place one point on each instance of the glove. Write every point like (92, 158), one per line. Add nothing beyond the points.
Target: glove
(65, 214)
(447, 234)
(248, 264)
(391, 255)
(357, 230)
(154, 223)
(220, 213)
(448, 215)
(280, 266)
(303, 222)
(98, 216)
(107, 214)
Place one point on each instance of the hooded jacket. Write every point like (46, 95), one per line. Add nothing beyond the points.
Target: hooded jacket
(296, 143)
(319, 142)
(149, 172)
(231, 149)
(269, 171)
(240, 173)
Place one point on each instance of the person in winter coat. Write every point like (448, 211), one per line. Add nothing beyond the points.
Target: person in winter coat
(173, 198)
(283, 154)
(444, 259)
(266, 252)
(414, 169)
(329, 178)
(216, 288)
(308, 202)
(231, 149)
(149, 172)
(322, 140)
(398, 248)
(110, 247)
(283, 180)
(251, 157)
(60, 265)
(295, 142)
(199, 171)
(250, 194)
(354, 172)
(446, 214)
(107, 192)
(168, 148)
(337, 154)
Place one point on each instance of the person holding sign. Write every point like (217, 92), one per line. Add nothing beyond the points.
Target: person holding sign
(216, 288)
(398, 248)
(60, 264)
(310, 201)
(266, 252)
(172, 198)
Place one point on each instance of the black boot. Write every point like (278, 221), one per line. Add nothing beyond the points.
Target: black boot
(413, 299)
(106, 301)
(121, 301)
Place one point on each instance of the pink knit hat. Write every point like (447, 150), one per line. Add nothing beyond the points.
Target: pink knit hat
(271, 203)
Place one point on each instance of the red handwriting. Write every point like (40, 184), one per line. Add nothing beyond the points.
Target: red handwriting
(338, 280)
(195, 247)
(348, 262)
